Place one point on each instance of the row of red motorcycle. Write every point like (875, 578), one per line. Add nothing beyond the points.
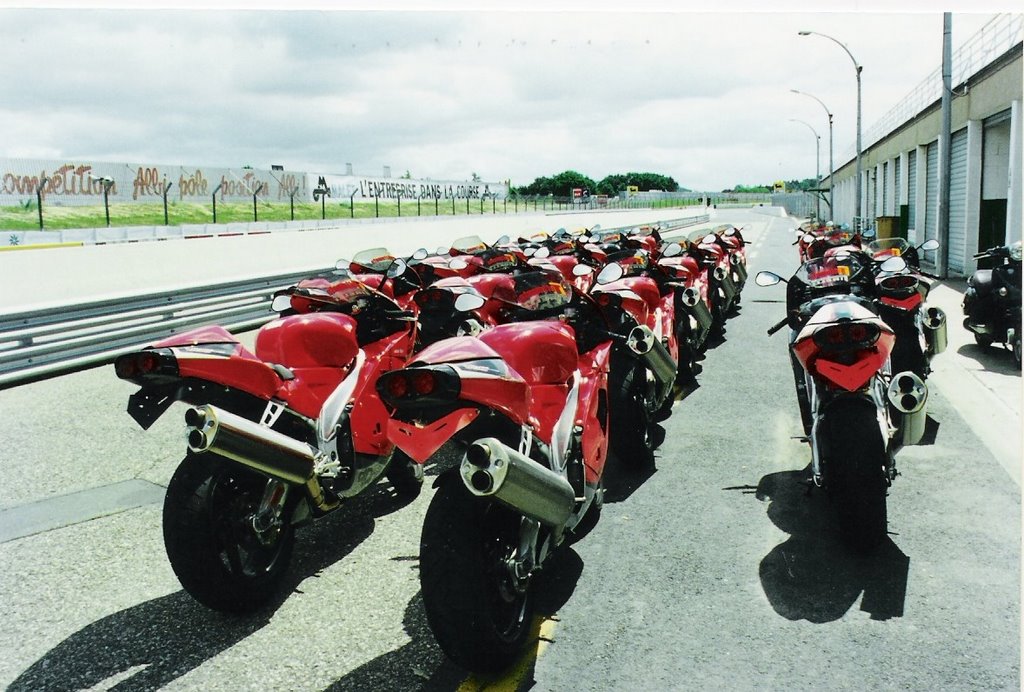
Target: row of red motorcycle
(515, 367)
(861, 342)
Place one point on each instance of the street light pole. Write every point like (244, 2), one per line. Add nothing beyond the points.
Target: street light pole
(859, 68)
(831, 168)
(817, 166)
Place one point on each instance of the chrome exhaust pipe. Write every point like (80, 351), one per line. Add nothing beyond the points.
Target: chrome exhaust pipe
(739, 267)
(495, 470)
(212, 429)
(653, 354)
(908, 394)
(934, 323)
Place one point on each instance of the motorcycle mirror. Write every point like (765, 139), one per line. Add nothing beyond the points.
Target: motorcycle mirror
(467, 302)
(582, 270)
(930, 244)
(894, 264)
(396, 268)
(611, 272)
(766, 278)
(281, 303)
(420, 254)
(672, 250)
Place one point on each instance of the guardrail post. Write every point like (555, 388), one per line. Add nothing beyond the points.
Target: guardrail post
(215, 191)
(166, 221)
(254, 215)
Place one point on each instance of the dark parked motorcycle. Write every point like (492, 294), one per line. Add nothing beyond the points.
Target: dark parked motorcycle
(993, 300)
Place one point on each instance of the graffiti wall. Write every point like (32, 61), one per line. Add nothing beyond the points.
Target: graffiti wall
(74, 182)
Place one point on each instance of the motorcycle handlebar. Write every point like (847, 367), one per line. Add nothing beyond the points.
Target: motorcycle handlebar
(776, 327)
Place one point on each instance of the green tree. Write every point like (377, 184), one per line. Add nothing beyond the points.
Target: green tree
(613, 184)
(560, 185)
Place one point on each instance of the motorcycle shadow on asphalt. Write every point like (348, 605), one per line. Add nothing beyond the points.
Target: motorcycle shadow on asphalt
(813, 575)
(995, 358)
(151, 644)
(420, 665)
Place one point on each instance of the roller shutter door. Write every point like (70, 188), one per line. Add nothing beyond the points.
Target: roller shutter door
(931, 199)
(958, 201)
(912, 196)
(885, 189)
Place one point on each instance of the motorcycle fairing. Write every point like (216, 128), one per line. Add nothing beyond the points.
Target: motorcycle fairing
(860, 364)
(485, 377)
(542, 352)
(421, 440)
(909, 303)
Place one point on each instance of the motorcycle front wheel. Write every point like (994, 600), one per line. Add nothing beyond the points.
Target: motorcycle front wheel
(211, 539)
(479, 612)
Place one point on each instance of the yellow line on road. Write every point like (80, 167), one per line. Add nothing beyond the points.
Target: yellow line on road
(511, 680)
(39, 246)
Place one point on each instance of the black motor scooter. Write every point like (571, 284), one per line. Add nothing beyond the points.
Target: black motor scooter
(993, 300)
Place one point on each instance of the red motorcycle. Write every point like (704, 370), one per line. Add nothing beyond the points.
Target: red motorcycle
(276, 438)
(527, 401)
(856, 413)
(645, 367)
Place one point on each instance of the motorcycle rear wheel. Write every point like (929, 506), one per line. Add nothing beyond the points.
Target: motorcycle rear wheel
(855, 476)
(480, 615)
(214, 549)
(629, 433)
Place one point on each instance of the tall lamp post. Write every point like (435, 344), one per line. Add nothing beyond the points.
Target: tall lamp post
(859, 68)
(831, 168)
(817, 165)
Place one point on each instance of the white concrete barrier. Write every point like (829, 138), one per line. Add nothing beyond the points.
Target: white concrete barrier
(51, 277)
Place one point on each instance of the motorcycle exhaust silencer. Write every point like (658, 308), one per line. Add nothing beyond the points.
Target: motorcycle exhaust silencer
(740, 267)
(493, 469)
(643, 342)
(908, 394)
(212, 429)
(935, 330)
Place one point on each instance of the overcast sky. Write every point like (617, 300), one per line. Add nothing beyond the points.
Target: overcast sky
(702, 97)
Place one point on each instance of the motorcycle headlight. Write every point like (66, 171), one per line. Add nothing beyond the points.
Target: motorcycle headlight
(1016, 252)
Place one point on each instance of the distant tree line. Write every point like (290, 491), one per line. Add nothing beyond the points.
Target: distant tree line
(562, 184)
(791, 186)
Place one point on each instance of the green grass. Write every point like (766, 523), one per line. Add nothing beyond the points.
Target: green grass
(26, 218)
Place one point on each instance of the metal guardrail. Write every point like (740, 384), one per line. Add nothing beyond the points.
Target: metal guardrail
(41, 343)
(35, 344)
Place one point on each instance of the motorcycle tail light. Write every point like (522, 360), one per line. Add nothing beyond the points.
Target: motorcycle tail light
(900, 282)
(146, 365)
(418, 386)
(847, 336)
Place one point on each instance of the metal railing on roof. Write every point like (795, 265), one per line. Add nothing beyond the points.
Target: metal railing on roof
(994, 39)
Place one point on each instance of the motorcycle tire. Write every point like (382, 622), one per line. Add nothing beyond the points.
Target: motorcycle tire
(1016, 349)
(211, 543)
(629, 433)
(983, 340)
(404, 474)
(854, 475)
(480, 615)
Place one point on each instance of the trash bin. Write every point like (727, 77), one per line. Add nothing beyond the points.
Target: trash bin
(887, 226)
